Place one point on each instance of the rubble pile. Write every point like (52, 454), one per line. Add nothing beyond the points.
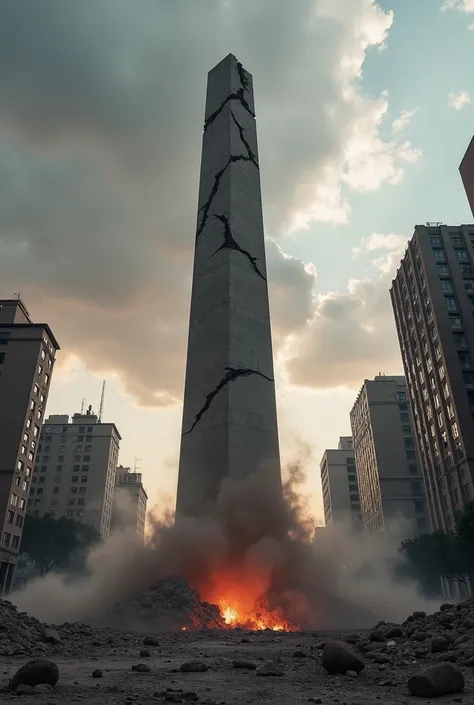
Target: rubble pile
(170, 605)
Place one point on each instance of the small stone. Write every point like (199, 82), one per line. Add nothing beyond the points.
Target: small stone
(394, 632)
(438, 644)
(145, 653)
(141, 668)
(97, 673)
(446, 606)
(34, 673)
(339, 657)
(376, 635)
(270, 668)
(351, 674)
(25, 690)
(51, 636)
(43, 688)
(440, 679)
(151, 641)
(172, 697)
(245, 664)
(193, 667)
(300, 654)
(190, 696)
(353, 638)
(382, 658)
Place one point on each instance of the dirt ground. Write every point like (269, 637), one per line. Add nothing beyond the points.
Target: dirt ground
(304, 680)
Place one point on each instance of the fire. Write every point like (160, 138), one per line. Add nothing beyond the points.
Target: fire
(240, 597)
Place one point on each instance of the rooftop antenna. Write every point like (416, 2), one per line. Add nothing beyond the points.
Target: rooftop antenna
(17, 295)
(82, 407)
(101, 407)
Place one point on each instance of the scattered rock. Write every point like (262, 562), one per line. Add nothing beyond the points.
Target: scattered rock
(394, 632)
(382, 658)
(25, 690)
(151, 641)
(190, 696)
(446, 606)
(141, 668)
(51, 636)
(300, 654)
(339, 657)
(440, 679)
(245, 664)
(97, 673)
(353, 638)
(145, 653)
(270, 668)
(43, 688)
(351, 674)
(376, 635)
(438, 643)
(193, 667)
(34, 673)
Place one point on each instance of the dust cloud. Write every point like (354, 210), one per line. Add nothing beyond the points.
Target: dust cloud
(259, 542)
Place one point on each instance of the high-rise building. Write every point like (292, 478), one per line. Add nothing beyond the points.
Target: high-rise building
(130, 500)
(27, 354)
(340, 488)
(466, 170)
(391, 486)
(75, 467)
(433, 301)
(229, 416)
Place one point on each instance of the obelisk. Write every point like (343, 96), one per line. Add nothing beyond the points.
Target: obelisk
(229, 424)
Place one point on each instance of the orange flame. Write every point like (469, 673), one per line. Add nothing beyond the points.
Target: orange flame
(240, 596)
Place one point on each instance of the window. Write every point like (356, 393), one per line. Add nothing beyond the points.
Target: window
(84, 478)
(461, 255)
(54, 502)
(406, 428)
(410, 454)
(75, 479)
(89, 429)
(40, 490)
(435, 240)
(59, 468)
(77, 458)
(55, 490)
(19, 520)
(354, 497)
(353, 488)
(469, 284)
(442, 268)
(46, 379)
(455, 430)
(37, 502)
(28, 424)
(439, 254)
(401, 396)
(408, 442)
(404, 418)
(60, 458)
(76, 468)
(419, 506)
(81, 501)
(71, 501)
(79, 513)
(73, 490)
(82, 429)
(415, 486)
(450, 303)
(6, 539)
(10, 516)
(85, 468)
(43, 354)
(14, 500)
(87, 458)
(88, 439)
(412, 469)
(80, 439)
(24, 486)
(403, 407)
(15, 542)
(70, 513)
(82, 490)
(446, 286)
(30, 456)
(421, 523)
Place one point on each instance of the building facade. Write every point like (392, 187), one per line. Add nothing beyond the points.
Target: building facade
(433, 302)
(27, 355)
(340, 487)
(391, 488)
(466, 170)
(74, 473)
(130, 500)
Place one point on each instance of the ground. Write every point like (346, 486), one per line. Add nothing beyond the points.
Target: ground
(304, 678)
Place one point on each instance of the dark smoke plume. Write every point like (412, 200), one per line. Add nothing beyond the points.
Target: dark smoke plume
(255, 531)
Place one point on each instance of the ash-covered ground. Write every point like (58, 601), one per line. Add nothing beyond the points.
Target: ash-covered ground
(99, 665)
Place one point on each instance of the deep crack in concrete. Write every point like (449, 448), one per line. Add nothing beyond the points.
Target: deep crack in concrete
(250, 154)
(231, 243)
(205, 208)
(231, 375)
(244, 81)
(238, 95)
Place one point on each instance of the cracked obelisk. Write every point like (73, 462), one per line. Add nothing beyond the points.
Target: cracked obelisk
(229, 416)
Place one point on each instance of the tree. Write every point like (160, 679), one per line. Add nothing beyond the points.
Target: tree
(426, 558)
(53, 543)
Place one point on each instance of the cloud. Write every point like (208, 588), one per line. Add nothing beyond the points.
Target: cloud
(100, 127)
(402, 122)
(459, 100)
(351, 335)
(466, 6)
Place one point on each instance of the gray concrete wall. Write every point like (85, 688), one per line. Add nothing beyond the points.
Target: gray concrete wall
(229, 416)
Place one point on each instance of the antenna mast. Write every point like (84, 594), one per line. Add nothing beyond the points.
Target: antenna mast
(82, 407)
(101, 407)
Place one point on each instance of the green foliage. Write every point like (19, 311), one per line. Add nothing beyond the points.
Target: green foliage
(429, 557)
(56, 543)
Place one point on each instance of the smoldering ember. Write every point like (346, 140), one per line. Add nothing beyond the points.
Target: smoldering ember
(235, 589)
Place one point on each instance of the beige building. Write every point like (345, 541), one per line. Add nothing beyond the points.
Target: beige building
(130, 500)
(75, 469)
(433, 301)
(391, 486)
(339, 485)
(27, 354)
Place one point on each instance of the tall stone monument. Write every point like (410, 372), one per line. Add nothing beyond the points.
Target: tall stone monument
(229, 416)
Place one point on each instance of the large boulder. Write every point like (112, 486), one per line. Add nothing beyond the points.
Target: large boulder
(36, 672)
(340, 657)
(440, 679)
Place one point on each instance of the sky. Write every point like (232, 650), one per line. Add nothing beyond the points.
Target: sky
(364, 111)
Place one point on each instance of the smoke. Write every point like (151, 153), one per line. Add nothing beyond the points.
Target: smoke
(258, 547)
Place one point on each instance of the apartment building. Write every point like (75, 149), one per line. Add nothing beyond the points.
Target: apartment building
(27, 355)
(74, 474)
(391, 488)
(433, 302)
(130, 500)
(340, 487)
